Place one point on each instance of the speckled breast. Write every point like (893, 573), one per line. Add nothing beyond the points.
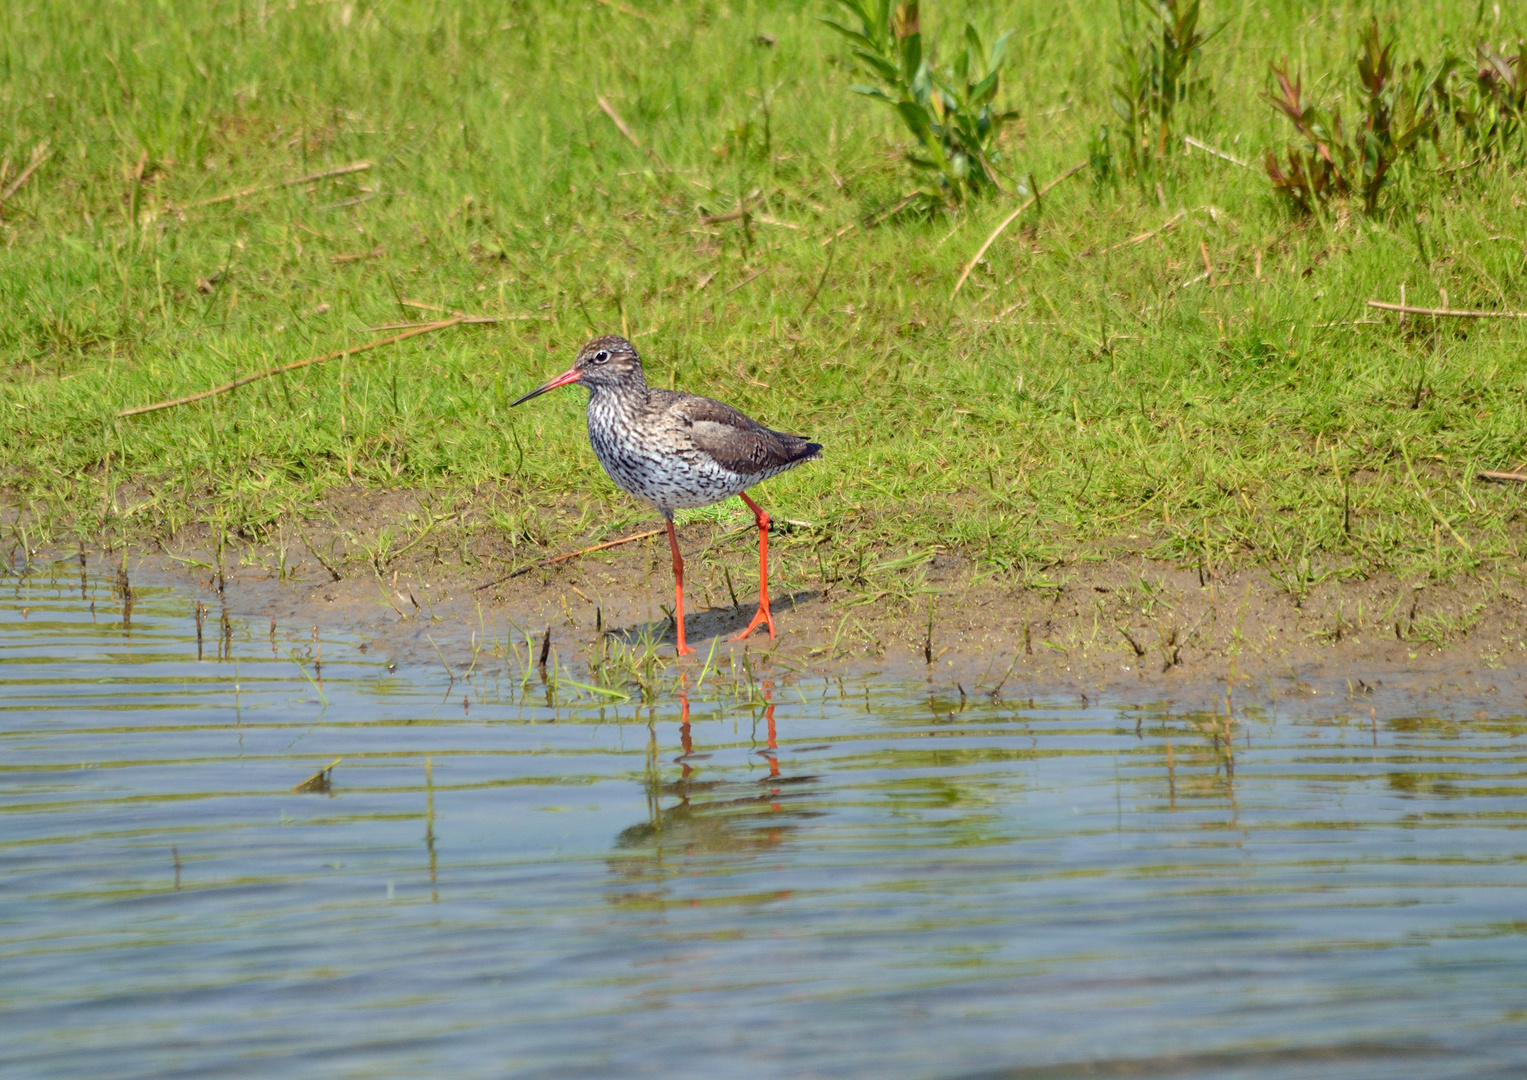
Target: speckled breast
(659, 467)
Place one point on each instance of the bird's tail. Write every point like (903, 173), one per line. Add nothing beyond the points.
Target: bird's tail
(799, 448)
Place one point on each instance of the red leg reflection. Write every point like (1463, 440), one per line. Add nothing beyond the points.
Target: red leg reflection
(773, 754)
(685, 741)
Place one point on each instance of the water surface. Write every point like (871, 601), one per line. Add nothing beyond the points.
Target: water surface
(853, 878)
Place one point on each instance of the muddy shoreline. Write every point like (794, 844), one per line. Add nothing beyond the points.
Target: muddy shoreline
(1126, 630)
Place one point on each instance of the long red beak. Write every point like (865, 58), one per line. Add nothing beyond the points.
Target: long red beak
(568, 376)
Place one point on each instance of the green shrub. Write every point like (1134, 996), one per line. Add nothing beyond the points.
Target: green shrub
(1487, 110)
(951, 113)
(1400, 109)
(1157, 67)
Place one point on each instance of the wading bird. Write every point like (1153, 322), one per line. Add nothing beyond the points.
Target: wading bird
(678, 450)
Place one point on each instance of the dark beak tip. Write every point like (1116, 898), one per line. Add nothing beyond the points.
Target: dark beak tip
(561, 380)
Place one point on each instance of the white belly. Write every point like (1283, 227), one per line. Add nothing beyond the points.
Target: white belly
(670, 477)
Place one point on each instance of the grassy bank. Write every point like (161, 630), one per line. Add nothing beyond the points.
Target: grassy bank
(1215, 394)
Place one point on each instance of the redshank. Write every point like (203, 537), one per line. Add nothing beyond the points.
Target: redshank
(678, 450)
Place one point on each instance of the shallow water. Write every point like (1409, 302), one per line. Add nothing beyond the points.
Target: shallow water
(854, 881)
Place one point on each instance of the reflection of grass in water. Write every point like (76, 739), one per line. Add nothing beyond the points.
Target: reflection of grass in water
(310, 680)
(320, 780)
(615, 669)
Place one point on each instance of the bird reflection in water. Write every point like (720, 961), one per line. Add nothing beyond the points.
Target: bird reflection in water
(711, 817)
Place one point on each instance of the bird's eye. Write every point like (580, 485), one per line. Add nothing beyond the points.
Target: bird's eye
(601, 357)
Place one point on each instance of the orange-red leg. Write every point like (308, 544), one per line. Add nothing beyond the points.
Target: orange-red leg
(763, 616)
(678, 587)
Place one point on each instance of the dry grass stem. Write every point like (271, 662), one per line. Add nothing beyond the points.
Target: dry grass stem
(356, 256)
(39, 155)
(570, 555)
(1446, 313)
(743, 209)
(464, 317)
(751, 277)
(625, 10)
(850, 227)
(812, 299)
(415, 332)
(609, 110)
(1170, 223)
(470, 321)
(895, 208)
(998, 231)
(342, 170)
(1206, 148)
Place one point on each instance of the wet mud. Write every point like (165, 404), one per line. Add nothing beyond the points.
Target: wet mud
(1113, 630)
(1120, 629)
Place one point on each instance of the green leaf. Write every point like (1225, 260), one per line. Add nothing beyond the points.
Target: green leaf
(879, 65)
(858, 8)
(599, 690)
(998, 52)
(916, 118)
(852, 35)
(922, 84)
(984, 90)
(911, 55)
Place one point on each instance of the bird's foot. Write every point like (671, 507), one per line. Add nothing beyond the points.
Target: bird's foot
(683, 650)
(763, 617)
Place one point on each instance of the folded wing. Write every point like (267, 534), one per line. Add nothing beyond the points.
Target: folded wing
(738, 443)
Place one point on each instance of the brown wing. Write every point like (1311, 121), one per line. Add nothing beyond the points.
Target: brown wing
(737, 442)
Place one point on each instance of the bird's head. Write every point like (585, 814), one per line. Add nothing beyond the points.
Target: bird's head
(603, 362)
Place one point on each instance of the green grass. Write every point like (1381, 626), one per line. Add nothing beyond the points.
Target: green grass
(1070, 402)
